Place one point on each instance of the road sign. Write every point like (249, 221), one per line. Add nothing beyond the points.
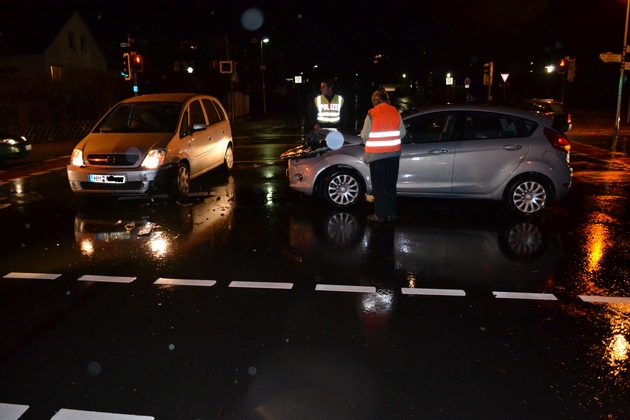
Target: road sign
(505, 76)
(609, 57)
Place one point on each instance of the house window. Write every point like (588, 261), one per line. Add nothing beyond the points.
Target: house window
(82, 44)
(71, 41)
(55, 73)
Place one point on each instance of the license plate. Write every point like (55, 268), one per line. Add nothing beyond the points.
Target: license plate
(107, 179)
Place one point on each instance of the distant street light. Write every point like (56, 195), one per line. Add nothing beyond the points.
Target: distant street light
(262, 72)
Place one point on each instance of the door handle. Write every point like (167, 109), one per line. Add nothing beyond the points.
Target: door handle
(513, 147)
(438, 152)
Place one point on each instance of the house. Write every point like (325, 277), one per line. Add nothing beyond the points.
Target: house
(55, 42)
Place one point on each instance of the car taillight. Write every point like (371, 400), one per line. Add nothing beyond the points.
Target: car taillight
(569, 118)
(557, 140)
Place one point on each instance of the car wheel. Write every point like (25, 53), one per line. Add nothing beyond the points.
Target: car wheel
(228, 160)
(528, 196)
(181, 182)
(342, 188)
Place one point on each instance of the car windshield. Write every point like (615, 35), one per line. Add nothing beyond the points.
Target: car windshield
(141, 117)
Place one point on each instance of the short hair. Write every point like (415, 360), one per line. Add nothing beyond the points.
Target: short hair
(380, 96)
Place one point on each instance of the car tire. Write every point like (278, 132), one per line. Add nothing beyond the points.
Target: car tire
(528, 196)
(342, 188)
(228, 160)
(181, 181)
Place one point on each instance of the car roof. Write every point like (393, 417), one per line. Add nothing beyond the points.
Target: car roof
(500, 109)
(166, 97)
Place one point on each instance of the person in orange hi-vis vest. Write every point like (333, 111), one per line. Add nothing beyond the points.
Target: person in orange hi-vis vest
(382, 132)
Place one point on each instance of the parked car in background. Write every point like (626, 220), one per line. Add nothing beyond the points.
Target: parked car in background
(450, 151)
(13, 147)
(150, 143)
(554, 109)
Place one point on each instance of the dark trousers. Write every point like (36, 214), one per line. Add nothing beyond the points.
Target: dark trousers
(384, 173)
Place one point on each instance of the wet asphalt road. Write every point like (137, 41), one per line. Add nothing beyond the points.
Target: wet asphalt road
(250, 302)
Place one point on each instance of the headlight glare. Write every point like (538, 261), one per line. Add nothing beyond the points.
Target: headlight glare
(155, 158)
(77, 157)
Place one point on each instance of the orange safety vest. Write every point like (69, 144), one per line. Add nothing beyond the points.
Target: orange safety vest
(384, 136)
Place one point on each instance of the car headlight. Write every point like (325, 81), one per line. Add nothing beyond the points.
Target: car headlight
(155, 158)
(77, 157)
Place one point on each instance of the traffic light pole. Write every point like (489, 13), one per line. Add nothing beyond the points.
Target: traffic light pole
(623, 65)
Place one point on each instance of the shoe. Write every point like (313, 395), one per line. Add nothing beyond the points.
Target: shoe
(374, 218)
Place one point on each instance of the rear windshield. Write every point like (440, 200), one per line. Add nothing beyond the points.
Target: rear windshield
(141, 117)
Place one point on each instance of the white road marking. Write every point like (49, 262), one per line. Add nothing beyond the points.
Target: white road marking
(605, 299)
(261, 285)
(185, 282)
(523, 295)
(69, 414)
(12, 411)
(37, 276)
(107, 279)
(433, 292)
(345, 288)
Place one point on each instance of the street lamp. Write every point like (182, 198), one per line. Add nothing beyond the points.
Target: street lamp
(262, 72)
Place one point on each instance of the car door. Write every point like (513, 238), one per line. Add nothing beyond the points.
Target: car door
(217, 132)
(490, 147)
(427, 154)
(200, 140)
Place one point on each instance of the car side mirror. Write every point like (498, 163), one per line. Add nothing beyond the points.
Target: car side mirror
(198, 127)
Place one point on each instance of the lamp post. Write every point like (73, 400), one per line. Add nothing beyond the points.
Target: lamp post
(262, 72)
(623, 64)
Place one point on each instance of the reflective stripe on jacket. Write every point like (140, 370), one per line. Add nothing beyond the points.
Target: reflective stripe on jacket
(328, 112)
(384, 135)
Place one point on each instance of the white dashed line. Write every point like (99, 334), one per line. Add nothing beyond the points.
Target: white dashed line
(433, 292)
(261, 285)
(35, 276)
(68, 414)
(345, 288)
(12, 411)
(185, 282)
(524, 296)
(107, 279)
(605, 299)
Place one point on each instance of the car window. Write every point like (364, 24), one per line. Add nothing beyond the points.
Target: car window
(487, 125)
(142, 117)
(211, 111)
(436, 126)
(196, 114)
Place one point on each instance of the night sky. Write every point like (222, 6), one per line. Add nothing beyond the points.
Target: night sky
(438, 33)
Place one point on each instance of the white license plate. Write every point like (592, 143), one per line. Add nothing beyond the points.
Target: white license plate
(107, 179)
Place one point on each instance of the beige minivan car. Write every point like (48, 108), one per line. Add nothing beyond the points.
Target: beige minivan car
(153, 143)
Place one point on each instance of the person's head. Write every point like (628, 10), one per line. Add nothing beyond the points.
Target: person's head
(380, 96)
(326, 87)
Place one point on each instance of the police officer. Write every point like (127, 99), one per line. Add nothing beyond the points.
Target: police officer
(382, 132)
(328, 110)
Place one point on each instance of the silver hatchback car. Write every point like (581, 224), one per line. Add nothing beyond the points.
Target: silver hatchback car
(450, 151)
(151, 143)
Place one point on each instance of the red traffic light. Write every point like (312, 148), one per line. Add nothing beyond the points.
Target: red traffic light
(137, 62)
(563, 63)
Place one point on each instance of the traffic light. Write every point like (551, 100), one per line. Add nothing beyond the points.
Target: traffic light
(571, 70)
(137, 63)
(562, 66)
(488, 68)
(126, 70)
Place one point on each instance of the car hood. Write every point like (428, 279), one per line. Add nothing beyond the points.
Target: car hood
(314, 144)
(123, 142)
